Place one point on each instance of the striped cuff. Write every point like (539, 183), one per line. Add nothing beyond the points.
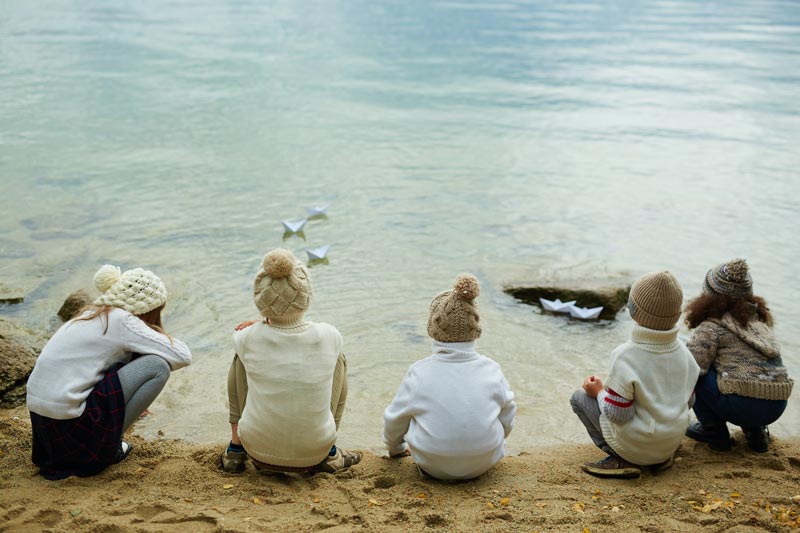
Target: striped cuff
(617, 409)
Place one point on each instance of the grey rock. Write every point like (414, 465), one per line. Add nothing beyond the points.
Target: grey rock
(611, 295)
(19, 348)
(74, 303)
(9, 295)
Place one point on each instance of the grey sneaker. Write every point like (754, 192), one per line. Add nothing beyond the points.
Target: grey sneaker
(233, 461)
(613, 466)
(341, 461)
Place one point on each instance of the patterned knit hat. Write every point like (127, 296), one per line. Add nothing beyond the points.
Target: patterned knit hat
(655, 301)
(282, 288)
(454, 317)
(731, 278)
(137, 291)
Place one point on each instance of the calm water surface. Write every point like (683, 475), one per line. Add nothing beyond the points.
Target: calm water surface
(563, 139)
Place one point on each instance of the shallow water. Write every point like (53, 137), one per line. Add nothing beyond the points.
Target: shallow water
(561, 139)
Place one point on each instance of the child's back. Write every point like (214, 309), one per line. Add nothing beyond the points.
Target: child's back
(454, 408)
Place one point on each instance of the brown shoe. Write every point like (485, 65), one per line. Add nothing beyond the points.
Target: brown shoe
(613, 466)
(341, 461)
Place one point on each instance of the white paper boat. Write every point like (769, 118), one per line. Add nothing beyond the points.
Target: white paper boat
(584, 313)
(317, 210)
(318, 253)
(556, 306)
(294, 226)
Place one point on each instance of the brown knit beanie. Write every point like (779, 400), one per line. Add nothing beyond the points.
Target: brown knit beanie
(454, 317)
(655, 301)
(282, 288)
(731, 278)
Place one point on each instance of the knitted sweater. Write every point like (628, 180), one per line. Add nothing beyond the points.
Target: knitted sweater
(747, 359)
(287, 419)
(79, 354)
(656, 372)
(454, 409)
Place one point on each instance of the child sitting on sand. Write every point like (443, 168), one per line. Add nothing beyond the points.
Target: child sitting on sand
(639, 417)
(287, 384)
(454, 408)
(98, 373)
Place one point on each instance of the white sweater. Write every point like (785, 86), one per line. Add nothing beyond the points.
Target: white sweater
(454, 410)
(658, 373)
(287, 419)
(79, 354)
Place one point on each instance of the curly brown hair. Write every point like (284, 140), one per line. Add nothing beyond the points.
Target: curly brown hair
(716, 305)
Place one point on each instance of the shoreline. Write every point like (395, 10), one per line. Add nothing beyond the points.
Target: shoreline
(173, 485)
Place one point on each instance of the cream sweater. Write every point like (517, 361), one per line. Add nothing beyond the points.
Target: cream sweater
(287, 419)
(658, 373)
(454, 409)
(79, 354)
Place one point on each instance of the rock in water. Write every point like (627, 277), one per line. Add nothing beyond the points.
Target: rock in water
(16, 364)
(611, 297)
(74, 303)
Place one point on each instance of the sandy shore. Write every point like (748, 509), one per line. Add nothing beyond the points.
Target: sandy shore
(176, 486)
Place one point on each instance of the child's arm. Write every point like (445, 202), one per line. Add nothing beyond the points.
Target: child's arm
(509, 409)
(703, 346)
(397, 417)
(616, 407)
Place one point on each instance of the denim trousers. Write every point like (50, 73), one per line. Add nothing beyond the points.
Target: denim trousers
(714, 409)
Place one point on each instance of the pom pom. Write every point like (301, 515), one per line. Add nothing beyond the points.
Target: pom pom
(467, 286)
(737, 270)
(106, 277)
(278, 263)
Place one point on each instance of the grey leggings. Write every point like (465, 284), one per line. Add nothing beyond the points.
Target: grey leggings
(142, 380)
(588, 412)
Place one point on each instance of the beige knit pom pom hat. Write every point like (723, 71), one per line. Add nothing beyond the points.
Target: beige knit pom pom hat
(655, 301)
(453, 315)
(282, 288)
(137, 291)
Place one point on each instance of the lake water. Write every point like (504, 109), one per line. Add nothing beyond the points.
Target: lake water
(561, 139)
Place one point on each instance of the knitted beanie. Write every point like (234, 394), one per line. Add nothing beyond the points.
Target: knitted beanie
(453, 315)
(731, 278)
(137, 291)
(282, 287)
(655, 301)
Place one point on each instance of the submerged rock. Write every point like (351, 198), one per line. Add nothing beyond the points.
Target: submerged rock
(612, 296)
(9, 295)
(74, 303)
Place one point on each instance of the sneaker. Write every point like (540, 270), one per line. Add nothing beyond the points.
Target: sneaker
(757, 438)
(661, 467)
(122, 453)
(613, 466)
(233, 461)
(717, 438)
(342, 460)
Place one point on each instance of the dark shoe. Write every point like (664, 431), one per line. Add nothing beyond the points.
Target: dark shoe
(717, 438)
(342, 460)
(613, 466)
(233, 461)
(661, 467)
(122, 453)
(757, 438)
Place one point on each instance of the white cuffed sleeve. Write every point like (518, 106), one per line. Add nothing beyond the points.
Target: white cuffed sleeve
(138, 337)
(398, 415)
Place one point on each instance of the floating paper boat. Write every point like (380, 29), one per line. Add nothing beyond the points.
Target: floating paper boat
(295, 226)
(317, 210)
(584, 313)
(318, 253)
(556, 306)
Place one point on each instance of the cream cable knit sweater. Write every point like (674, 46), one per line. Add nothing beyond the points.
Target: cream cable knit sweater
(78, 355)
(287, 420)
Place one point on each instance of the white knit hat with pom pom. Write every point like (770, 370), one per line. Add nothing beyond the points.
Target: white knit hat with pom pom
(137, 291)
(282, 287)
(453, 315)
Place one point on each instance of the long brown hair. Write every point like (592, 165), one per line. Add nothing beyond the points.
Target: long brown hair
(716, 305)
(151, 318)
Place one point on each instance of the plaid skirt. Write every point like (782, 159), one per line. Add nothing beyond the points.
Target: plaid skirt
(85, 445)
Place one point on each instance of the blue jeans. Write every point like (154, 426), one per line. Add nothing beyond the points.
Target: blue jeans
(714, 409)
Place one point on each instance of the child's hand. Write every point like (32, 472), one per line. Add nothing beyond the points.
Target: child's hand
(245, 324)
(404, 453)
(592, 385)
